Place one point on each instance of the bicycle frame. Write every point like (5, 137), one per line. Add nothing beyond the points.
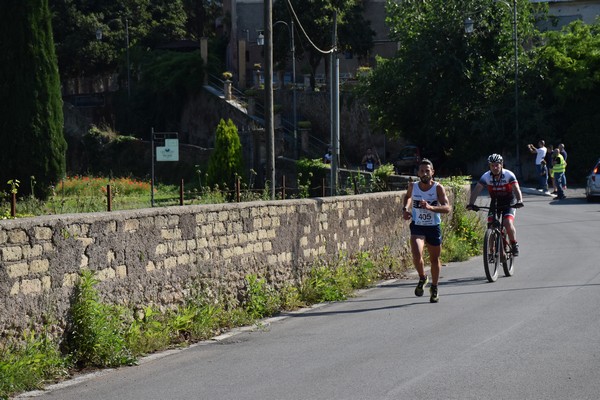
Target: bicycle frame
(496, 246)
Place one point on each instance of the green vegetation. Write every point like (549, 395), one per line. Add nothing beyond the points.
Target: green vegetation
(463, 233)
(104, 335)
(80, 194)
(458, 97)
(100, 335)
(226, 162)
(29, 362)
(95, 331)
(354, 31)
(311, 173)
(31, 116)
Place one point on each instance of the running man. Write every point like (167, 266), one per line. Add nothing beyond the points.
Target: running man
(426, 200)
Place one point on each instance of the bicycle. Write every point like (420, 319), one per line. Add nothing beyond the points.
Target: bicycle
(496, 245)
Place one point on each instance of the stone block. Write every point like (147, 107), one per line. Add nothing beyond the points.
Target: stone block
(12, 253)
(42, 233)
(37, 266)
(29, 286)
(18, 236)
(17, 270)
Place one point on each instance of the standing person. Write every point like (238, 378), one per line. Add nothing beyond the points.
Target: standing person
(503, 188)
(328, 156)
(548, 158)
(370, 161)
(544, 174)
(563, 152)
(426, 200)
(540, 153)
(559, 166)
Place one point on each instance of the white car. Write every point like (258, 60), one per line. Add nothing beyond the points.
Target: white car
(592, 187)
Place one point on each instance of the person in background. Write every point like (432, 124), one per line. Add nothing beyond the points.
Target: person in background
(544, 174)
(559, 166)
(327, 157)
(370, 161)
(563, 153)
(425, 200)
(540, 153)
(548, 158)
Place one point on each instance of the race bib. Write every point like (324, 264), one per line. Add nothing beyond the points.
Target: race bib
(424, 217)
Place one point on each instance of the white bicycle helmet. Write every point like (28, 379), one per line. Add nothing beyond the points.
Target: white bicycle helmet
(495, 158)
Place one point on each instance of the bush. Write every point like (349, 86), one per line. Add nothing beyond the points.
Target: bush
(226, 162)
(96, 331)
(463, 234)
(311, 173)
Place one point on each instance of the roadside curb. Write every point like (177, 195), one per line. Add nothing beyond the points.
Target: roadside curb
(536, 192)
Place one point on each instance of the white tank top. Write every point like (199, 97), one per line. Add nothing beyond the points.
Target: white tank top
(420, 215)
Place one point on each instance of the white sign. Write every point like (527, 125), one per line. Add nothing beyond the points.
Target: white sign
(168, 152)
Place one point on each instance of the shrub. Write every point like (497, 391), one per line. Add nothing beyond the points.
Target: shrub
(226, 160)
(261, 300)
(96, 331)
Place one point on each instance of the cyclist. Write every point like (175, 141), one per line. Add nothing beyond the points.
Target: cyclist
(503, 188)
(425, 200)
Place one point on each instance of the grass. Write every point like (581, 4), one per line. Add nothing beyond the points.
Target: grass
(83, 194)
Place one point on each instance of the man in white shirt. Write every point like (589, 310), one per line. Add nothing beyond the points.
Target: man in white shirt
(540, 153)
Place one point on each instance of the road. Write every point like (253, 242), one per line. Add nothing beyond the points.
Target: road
(535, 335)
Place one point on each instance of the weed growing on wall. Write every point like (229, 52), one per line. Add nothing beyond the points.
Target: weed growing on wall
(261, 299)
(147, 332)
(96, 331)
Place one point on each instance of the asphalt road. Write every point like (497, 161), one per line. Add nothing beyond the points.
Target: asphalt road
(535, 335)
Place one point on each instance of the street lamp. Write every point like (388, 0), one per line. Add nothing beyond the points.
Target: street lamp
(293, 50)
(469, 29)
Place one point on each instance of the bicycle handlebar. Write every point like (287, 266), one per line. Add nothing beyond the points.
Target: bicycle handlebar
(499, 208)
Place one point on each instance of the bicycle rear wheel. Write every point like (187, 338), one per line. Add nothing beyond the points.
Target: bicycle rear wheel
(508, 261)
(491, 255)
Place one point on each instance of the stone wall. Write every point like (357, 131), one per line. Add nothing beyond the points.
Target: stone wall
(158, 255)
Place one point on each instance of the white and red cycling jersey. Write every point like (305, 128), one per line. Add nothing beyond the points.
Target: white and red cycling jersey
(500, 187)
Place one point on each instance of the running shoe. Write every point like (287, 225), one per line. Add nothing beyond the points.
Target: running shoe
(419, 290)
(433, 291)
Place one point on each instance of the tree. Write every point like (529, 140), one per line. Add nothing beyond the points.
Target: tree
(316, 19)
(168, 81)
(225, 162)
(31, 116)
(446, 90)
(202, 15)
(76, 23)
(565, 85)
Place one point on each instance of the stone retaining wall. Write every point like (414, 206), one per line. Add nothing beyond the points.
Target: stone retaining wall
(158, 255)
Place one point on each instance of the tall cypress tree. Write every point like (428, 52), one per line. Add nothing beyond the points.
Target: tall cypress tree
(31, 116)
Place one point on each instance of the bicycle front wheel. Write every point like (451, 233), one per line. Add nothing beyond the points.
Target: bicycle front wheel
(491, 255)
(508, 261)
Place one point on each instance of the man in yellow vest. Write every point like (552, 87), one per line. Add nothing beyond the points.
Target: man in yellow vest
(559, 166)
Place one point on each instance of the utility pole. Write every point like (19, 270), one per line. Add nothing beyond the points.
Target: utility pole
(269, 127)
(335, 110)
